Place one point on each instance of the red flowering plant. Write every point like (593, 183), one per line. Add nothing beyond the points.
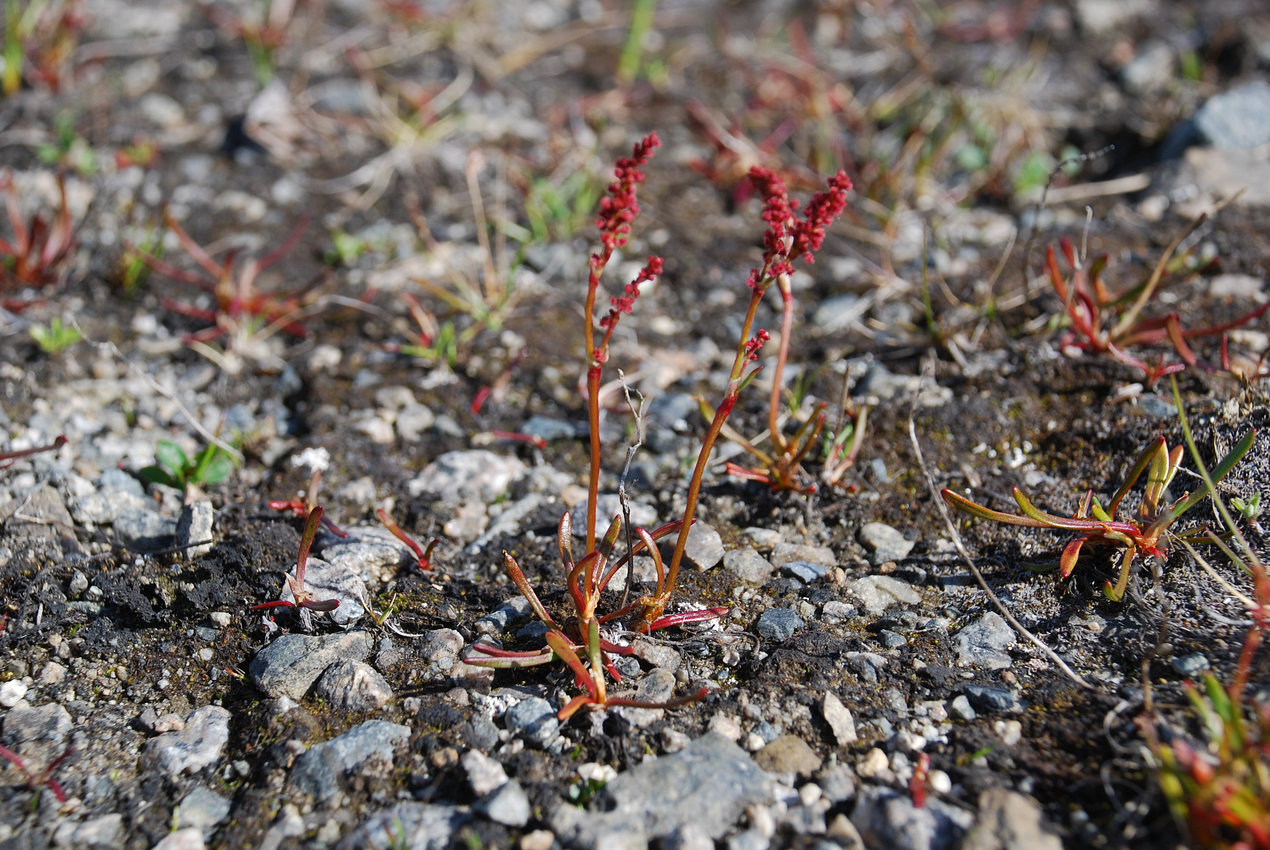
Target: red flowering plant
(37, 253)
(789, 238)
(302, 599)
(582, 641)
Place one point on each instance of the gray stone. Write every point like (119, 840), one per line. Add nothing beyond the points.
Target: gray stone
(194, 528)
(193, 748)
(1189, 665)
(748, 565)
(478, 475)
(508, 805)
(887, 818)
(534, 720)
(202, 809)
(1009, 820)
(442, 647)
(961, 708)
(368, 548)
(319, 771)
(837, 783)
(1238, 119)
(325, 580)
(891, 640)
(12, 692)
(501, 618)
(785, 553)
(983, 643)
(839, 312)
(419, 826)
(868, 665)
(778, 624)
(839, 718)
(550, 430)
(655, 653)
(708, 783)
(704, 547)
(884, 542)
(836, 611)
(187, 838)
(484, 774)
(609, 506)
(657, 686)
(1151, 69)
(104, 831)
(353, 686)
(805, 571)
(291, 664)
(987, 698)
(878, 593)
(788, 754)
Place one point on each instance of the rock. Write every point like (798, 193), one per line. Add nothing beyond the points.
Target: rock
(501, 618)
(333, 581)
(961, 708)
(534, 720)
(12, 692)
(1009, 820)
(805, 571)
(704, 547)
(708, 783)
(1151, 69)
(442, 647)
(878, 593)
(655, 653)
(419, 826)
(839, 718)
(143, 529)
(788, 754)
(353, 686)
(778, 624)
(318, 772)
(835, 611)
(887, 818)
(837, 783)
(884, 543)
(550, 430)
(202, 809)
(477, 476)
(785, 553)
(367, 549)
(188, 838)
(291, 664)
(609, 506)
(104, 831)
(484, 774)
(1189, 666)
(987, 698)
(657, 686)
(194, 747)
(982, 643)
(508, 805)
(840, 312)
(194, 528)
(748, 565)
(1238, 119)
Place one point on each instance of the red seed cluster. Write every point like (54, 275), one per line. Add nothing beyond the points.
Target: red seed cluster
(789, 237)
(626, 302)
(620, 207)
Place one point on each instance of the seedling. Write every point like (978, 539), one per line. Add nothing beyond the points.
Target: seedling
(262, 33)
(38, 251)
(303, 504)
(240, 311)
(174, 468)
(36, 778)
(40, 37)
(303, 600)
(579, 641)
(1149, 533)
(54, 337)
(422, 556)
(1110, 323)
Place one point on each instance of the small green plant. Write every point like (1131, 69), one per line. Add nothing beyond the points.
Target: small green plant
(37, 778)
(38, 251)
(579, 641)
(174, 468)
(54, 337)
(68, 151)
(301, 598)
(263, 33)
(1147, 534)
(40, 37)
(1218, 789)
(1249, 509)
(1111, 323)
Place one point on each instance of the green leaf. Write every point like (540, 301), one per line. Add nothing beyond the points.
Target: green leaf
(171, 457)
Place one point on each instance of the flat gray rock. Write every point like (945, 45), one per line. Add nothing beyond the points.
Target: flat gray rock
(887, 818)
(319, 771)
(1008, 820)
(878, 593)
(883, 542)
(983, 643)
(778, 624)
(353, 686)
(333, 581)
(193, 748)
(708, 783)
(477, 475)
(748, 565)
(291, 664)
(419, 826)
